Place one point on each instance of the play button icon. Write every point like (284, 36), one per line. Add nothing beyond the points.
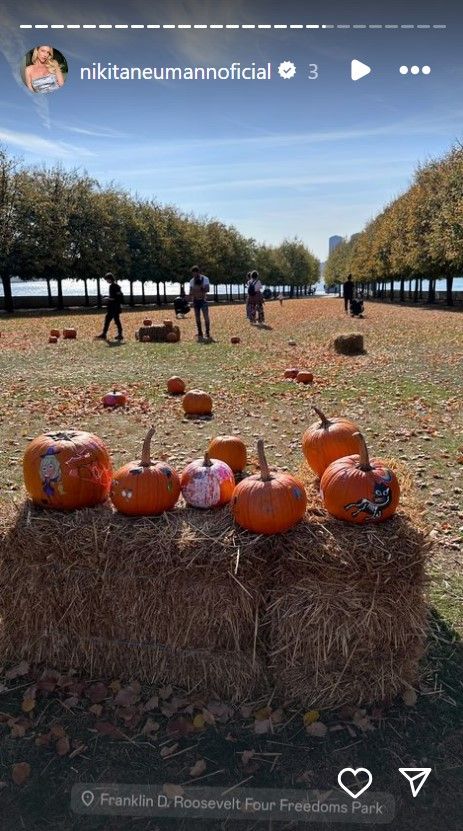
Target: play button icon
(359, 70)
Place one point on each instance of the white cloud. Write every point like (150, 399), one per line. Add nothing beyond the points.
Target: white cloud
(36, 145)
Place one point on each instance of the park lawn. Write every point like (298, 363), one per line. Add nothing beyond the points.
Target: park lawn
(405, 392)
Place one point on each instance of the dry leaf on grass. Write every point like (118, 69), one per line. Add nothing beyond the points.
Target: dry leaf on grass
(171, 790)
(20, 772)
(198, 768)
(18, 671)
(63, 746)
(317, 729)
(410, 698)
(310, 717)
(168, 750)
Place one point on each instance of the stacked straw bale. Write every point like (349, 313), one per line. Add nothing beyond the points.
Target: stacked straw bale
(328, 613)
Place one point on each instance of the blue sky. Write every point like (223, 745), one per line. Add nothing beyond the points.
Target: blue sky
(276, 159)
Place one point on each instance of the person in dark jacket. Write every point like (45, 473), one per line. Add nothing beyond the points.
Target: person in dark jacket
(348, 292)
(114, 303)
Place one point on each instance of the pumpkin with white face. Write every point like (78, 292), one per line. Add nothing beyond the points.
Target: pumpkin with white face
(207, 483)
(145, 488)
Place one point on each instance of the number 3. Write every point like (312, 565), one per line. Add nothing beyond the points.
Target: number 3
(313, 71)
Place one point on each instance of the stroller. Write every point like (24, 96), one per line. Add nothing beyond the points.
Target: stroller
(181, 307)
(356, 307)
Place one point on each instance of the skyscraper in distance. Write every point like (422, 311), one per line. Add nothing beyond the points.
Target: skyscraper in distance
(334, 242)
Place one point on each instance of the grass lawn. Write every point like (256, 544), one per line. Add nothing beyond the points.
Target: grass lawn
(406, 392)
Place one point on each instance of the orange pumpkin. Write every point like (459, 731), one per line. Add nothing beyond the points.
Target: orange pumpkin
(197, 402)
(304, 377)
(235, 339)
(67, 470)
(172, 337)
(147, 321)
(55, 333)
(114, 399)
(268, 503)
(145, 488)
(291, 372)
(169, 325)
(291, 343)
(207, 483)
(229, 449)
(175, 385)
(69, 334)
(324, 442)
(359, 490)
(52, 339)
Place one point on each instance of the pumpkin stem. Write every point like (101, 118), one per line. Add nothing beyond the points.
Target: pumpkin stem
(146, 451)
(207, 460)
(364, 460)
(265, 474)
(324, 419)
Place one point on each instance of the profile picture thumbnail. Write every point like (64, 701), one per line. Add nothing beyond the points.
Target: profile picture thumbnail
(44, 69)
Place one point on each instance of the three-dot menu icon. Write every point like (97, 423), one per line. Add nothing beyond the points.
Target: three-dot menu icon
(415, 70)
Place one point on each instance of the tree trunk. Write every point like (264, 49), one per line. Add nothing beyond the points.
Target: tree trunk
(143, 299)
(182, 290)
(415, 292)
(60, 303)
(8, 294)
(432, 290)
(87, 302)
(402, 289)
(158, 293)
(165, 292)
(449, 281)
(391, 291)
(421, 289)
(131, 301)
(99, 299)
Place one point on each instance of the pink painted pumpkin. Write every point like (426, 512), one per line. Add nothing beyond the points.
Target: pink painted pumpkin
(207, 483)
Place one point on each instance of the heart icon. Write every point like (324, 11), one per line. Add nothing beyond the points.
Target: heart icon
(354, 794)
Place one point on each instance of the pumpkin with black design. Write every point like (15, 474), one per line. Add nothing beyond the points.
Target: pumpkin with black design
(207, 483)
(359, 489)
(229, 449)
(145, 488)
(327, 440)
(268, 503)
(67, 469)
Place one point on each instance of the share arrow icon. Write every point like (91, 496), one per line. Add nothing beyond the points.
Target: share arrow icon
(417, 777)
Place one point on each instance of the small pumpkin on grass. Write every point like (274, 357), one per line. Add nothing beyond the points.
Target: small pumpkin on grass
(55, 333)
(172, 337)
(207, 483)
(330, 439)
(147, 321)
(114, 399)
(66, 470)
(229, 449)
(268, 503)
(52, 339)
(304, 377)
(235, 339)
(145, 488)
(69, 334)
(175, 385)
(291, 372)
(197, 402)
(359, 489)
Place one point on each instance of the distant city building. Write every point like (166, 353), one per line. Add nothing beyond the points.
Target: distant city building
(334, 242)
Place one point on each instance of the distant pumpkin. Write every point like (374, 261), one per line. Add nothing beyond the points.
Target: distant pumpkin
(55, 333)
(304, 377)
(69, 334)
(229, 449)
(147, 321)
(145, 488)
(52, 339)
(291, 372)
(235, 339)
(207, 483)
(175, 385)
(114, 399)
(197, 402)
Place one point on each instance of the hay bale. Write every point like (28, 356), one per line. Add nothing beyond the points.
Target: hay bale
(329, 613)
(347, 616)
(170, 599)
(348, 344)
(155, 334)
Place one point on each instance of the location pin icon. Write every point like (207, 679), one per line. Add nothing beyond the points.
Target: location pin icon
(87, 798)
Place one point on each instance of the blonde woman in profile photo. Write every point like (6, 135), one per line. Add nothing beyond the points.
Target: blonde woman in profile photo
(44, 74)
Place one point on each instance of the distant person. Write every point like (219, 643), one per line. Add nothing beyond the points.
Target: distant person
(199, 287)
(255, 301)
(113, 302)
(280, 298)
(348, 292)
(44, 74)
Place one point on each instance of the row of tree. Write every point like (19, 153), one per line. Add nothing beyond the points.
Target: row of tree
(57, 224)
(416, 238)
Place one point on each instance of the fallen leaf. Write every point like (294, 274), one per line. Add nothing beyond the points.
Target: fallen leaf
(21, 772)
(28, 705)
(198, 768)
(150, 726)
(97, 692)
(410, 698)
(63, 746)
(317, 729)
(167, 750)
(18, 671)
(172, 790)
(246, 756)
(310, 717)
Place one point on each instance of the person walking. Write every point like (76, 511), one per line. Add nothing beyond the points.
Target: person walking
(114, 303)
(199, 287)
(348, 292)
(280, 298)
(254, 303)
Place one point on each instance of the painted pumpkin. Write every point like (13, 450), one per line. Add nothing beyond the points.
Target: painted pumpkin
(291, 372)
(231, 450)
(147, 321)
(114, 399)
(304, 377)
(67, 470)
(52, 339)
(69, 334)
(235, 339)
(145, 488)
(55, 333)
(207, 483)
(359, 490)
(330, 439)
(268, 503)
(175, 385)
(197, 402)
